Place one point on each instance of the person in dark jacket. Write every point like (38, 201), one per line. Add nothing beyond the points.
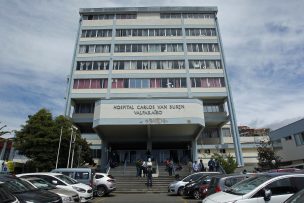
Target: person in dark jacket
(211, 164)
(149, 177)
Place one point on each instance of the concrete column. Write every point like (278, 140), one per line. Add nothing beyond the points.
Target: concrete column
(3, 150)
(149, 141)
(194, 150)
(221, 135)
(104, 155)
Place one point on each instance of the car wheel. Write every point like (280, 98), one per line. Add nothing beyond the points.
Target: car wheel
(196, 194)
(180, 191)
(101, 191)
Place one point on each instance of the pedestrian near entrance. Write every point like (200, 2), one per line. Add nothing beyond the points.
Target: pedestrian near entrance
(149, 173)
(195, 167)
(170, 167)
(138, 168)
(211, 164)
(201, 165)
(144, 168)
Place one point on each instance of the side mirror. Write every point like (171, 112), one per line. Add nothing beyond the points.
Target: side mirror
(190, 180)
(267, 194)
(54, 182)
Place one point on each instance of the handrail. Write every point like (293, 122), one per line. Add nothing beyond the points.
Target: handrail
(125, 166)
(108, 167)
(173, 169)
(157, 169)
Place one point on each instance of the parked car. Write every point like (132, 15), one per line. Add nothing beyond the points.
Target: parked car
(192, 189)
(104, 183)
(223, 182)
(26, 193)
(6, 196)
(268, 187)
(82, 175)
(177, 187)
(67, 196)
(84, 191)
(296, 198)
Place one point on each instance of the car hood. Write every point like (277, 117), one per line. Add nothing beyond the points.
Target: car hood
(42, 196)
(63, 192)
(174, 182)
(222, 196)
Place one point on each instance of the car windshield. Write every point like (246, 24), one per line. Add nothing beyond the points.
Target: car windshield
(42, 184)
(192, 177)
(18, 186)
(296, 198)
(248, 185)
(67, 179)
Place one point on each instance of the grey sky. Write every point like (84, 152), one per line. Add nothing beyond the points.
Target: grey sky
(263, 43)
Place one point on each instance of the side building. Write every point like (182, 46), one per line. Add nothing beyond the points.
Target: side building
(288, 142)
(150, 80)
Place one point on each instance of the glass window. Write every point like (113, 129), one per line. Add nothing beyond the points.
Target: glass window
(82, 175)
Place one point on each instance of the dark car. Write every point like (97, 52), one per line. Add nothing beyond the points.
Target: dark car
(26, 192)
(6, 196)
(296, 198)
(192, 189)
(222, 182)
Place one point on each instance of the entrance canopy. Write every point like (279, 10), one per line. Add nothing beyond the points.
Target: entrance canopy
(153, 119)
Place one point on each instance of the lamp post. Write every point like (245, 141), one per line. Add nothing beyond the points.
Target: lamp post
(59, 147)
(72, 131)
(73, 150)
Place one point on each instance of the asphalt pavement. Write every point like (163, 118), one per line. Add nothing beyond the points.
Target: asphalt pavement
(143, 198)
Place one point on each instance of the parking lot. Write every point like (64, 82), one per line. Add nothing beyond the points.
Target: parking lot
(143, 197)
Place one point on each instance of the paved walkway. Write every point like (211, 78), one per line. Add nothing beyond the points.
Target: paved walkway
(143, 198)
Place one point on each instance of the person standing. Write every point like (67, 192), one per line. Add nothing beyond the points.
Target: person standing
(195, 167)
(144, 168)
(216, 165)
(211, 164)
(149, 173)
(170, 167)
(138, 168)
(201, 166)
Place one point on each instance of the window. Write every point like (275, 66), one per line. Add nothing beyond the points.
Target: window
(198, 47)
(207, 151)
(104, 48)
(148, 48)
(288, 138)
(223, 151)
(98, 176)
(82, 175)
(299, 138)
(90, 83)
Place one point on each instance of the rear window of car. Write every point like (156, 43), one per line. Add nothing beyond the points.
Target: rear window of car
(98, 176)
(82, 175)
(193, 177)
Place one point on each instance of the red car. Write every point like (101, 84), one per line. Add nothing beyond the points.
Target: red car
(203, 190)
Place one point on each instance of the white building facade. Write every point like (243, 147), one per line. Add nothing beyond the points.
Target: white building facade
(150, 79)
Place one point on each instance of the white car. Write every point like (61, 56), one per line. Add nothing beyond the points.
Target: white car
(268, 187)
(177, 187)
(84, 191)
(67, 196)
(104, 184)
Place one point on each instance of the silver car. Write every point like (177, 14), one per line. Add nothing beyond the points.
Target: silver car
(67, 196)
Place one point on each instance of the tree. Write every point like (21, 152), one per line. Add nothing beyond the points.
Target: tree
(3, 132)
(38, 140)
(228, 163)
(267, 157)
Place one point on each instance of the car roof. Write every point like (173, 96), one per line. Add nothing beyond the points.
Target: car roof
(39, 173)
(74, 169)
(4, 178)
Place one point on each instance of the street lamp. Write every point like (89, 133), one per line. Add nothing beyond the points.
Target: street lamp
(59, 147)
(72, 131)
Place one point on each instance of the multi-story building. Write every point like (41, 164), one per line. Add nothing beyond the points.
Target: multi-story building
(288, 142)
(150, 80)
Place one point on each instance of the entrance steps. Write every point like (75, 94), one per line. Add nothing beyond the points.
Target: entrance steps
(127, 182)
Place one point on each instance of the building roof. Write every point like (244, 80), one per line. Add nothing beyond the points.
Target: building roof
(207, 9)
(287, 130)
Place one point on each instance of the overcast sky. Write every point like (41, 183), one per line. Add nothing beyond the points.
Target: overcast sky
(263, 43)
